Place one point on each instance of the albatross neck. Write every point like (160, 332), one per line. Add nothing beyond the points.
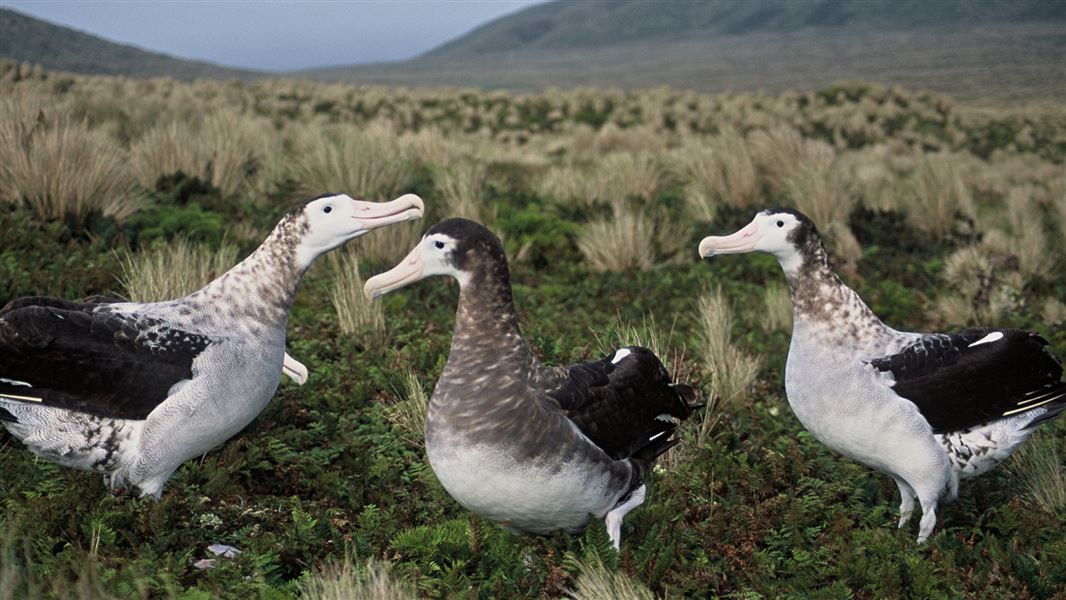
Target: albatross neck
(262, 286)
(824, 307)
(486, 327)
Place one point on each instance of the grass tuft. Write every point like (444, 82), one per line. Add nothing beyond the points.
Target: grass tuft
(356, 314)
(347, 581)
(172, 270)
(730, 370)
(595, 581)
(59, 166)
(409, 414)
(1042, 475)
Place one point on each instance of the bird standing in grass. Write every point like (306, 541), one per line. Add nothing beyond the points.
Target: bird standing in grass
(925, 408)
(533, 447)
(131, 390)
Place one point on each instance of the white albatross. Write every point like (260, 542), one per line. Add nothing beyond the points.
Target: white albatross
(131, 390)
(925, 408)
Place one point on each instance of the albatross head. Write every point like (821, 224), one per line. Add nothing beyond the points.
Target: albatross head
(460, 248)
(333, 219)
(785, 233)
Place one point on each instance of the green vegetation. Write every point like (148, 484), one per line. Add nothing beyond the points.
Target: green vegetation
(328, 493)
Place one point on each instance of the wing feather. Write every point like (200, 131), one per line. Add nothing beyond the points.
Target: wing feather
(103, 363)
(960, 380)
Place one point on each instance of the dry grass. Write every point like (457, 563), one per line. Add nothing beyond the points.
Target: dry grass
(1053, 311)
(347, 581)
(938, 195)
(777, 305)
(1043, 477)
(364, 162)
(163, 272)
(462, 187)
(596, 582)
(715, 171)
(389, 246)
(778, 152)
(983, 290)
(610, 180)
(409, 414)
(620, 243)
(59, 166)
(356, 314)
(731, 371)
(226, 150)
(821, 191)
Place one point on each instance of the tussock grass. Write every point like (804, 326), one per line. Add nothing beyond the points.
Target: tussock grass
(715, 171)
(620, 243)
(409, 414)
(1040, 469)
(610, 180)
(983, 289)
(462, 187)
(168, 271)
(730, 370)
(777, 305)
(595, 581)
(938, 195)
(1053, 311)
(821, 191)
(226, 150)
(372, 580)
(391, 244)
(356, 314)
(780, 151)
(363, 162)
(59, 166)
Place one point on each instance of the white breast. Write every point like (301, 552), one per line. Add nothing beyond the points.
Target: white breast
(527, 497)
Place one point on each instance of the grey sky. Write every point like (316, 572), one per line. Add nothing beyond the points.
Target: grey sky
(275, 36)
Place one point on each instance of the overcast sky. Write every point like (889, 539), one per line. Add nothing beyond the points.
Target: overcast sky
(280, 35)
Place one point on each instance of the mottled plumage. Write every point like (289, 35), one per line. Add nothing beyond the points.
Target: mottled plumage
(131, 390)
(925, 408)
(534, 447)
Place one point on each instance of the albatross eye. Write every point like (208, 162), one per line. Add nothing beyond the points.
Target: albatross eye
(438, 244)
(780, 223)
(327, 209)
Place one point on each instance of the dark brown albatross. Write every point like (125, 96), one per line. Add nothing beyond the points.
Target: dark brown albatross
(533, 447)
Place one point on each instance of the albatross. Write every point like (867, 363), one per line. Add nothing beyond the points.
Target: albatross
(535, 448)
(131, 390)
(925, 408)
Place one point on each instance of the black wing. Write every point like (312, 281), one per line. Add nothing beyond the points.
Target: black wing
(960, 380)
(95, 362)
(625, 406)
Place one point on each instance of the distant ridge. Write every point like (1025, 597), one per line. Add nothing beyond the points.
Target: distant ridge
(996, 50)
(601, 23)
(31, 40)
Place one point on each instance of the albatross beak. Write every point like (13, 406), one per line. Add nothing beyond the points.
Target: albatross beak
(371, 215)
(740, 242)
(409, 270)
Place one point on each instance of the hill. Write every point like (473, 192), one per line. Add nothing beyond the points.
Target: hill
(996, 50)
(27, 39)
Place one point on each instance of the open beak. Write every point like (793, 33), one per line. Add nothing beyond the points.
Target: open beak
(738, 243)
(371, 215)
(408, 271)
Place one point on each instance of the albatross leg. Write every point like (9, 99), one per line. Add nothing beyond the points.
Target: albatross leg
(294, 369)
(928, 521)
(906, 502)
(615, 516)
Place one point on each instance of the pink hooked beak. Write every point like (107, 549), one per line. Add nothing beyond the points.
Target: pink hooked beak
(737, 243)
(372, 215)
